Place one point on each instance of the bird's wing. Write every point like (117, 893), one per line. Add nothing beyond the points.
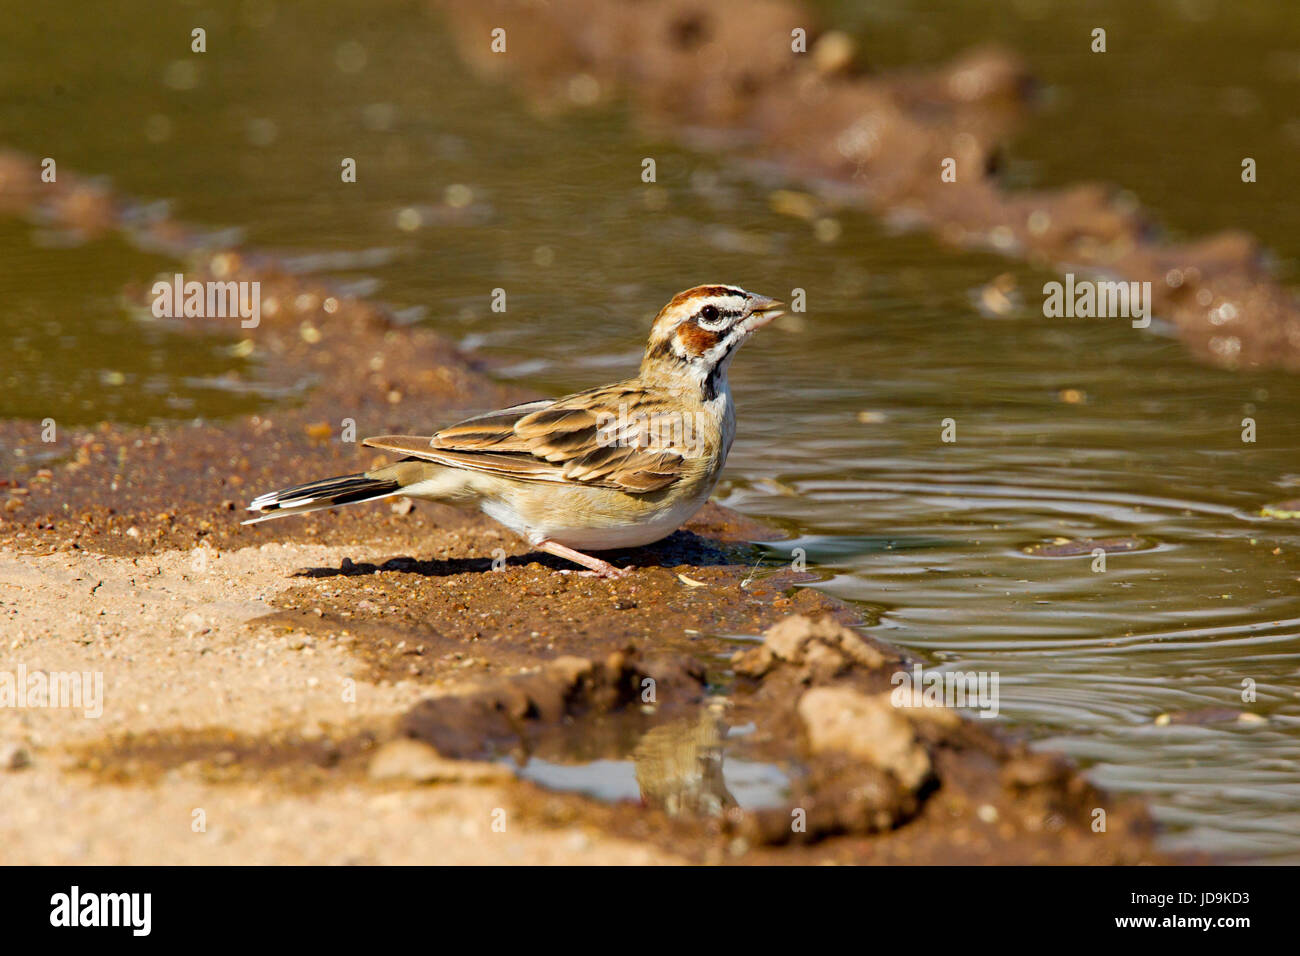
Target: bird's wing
(616, 436)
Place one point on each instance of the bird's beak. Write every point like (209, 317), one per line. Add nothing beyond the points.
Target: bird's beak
(763, 310)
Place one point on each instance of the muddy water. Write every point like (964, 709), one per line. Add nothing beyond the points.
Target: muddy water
(1065, 428)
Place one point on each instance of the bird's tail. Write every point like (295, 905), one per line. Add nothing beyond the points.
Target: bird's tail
(318, 495)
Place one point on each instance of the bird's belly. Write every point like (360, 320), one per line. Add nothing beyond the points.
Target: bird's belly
(592, 520)
(626, 536)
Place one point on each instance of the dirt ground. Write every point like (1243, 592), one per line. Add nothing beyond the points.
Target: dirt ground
(247, 703)
(185, 651)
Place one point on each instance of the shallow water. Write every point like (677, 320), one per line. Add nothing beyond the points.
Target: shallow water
(686, 766)
(1065, 428)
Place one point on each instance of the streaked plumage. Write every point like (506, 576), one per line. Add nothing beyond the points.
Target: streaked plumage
(616, 466)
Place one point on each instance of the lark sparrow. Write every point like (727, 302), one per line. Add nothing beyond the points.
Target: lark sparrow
(616, 466)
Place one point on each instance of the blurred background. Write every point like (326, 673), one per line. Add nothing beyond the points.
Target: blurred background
(1067, 428)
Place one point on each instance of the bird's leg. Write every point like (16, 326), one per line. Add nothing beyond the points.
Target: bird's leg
(598, 568)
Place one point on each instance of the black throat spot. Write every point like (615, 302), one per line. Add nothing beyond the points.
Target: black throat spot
(709, 388)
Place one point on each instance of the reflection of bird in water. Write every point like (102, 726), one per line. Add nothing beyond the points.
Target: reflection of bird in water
(679, 765)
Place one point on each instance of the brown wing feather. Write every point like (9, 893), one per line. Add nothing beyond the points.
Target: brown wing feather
(576, 438)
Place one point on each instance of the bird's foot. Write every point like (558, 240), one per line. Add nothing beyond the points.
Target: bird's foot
(613, 573)
(596, 568)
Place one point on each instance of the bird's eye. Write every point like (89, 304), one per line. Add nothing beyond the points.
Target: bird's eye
(709, 313)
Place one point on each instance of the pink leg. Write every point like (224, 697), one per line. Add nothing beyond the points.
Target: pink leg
(598, 568)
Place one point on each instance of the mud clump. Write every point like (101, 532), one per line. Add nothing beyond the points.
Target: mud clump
(866, 768)
(885, 766)
(820, 648)
(841, 720)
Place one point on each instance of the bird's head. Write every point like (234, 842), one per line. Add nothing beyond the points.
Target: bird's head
(695, 335)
